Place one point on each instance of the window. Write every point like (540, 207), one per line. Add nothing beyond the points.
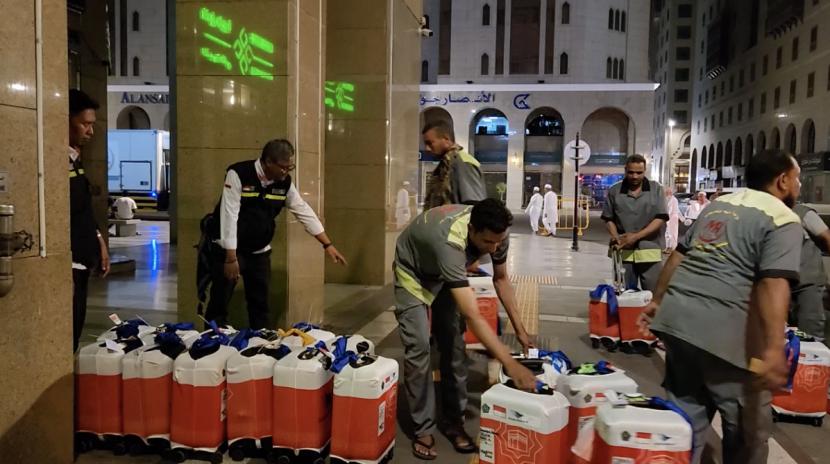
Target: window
(615, 73)
(424, 71)
(563, 62)
(608, 68)
(611, 19)
(566, 13)
(136, 66)
(705, 124)
(763, 103)
(779, 57)
(741, 78)
(707, 97)
(752, 72)
(813, 38)
(811, 83)
(681, 75)
(681, 96)
(136, 23)
(681, 117)
(684, 32)
(682, 53)
(793, 84)
(485, 15)
(700, 74)
(740, 112)
(750, 108)
(723, 88)
(776, 99)
(729, 116)
(702, 47)
(622, 69)
(485, 64)
(699, 100)
(703, 20)
(622, 22)
(764, 65)
(617, 20)
(712, 123)
(426, 21)
(714, 92)
(795, 48)
(731, 83)
(720, 119)
(698, 126)
(685, 11)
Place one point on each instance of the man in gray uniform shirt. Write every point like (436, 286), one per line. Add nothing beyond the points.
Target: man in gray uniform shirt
(457, 179)
(634, 214)
(432, 256)
(808, 308)
(721, 307)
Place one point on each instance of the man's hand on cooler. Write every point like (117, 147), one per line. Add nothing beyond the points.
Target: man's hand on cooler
(522, 377)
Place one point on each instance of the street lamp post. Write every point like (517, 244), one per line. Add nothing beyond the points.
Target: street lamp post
(668, 151)
(575, 246)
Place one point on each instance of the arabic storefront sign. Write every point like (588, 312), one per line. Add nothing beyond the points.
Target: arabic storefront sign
(145, 98)
(450, 99)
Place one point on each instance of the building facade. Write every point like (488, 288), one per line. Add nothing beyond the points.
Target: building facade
(761, 75)
(137, 92)
(672, 62)
(518, 79)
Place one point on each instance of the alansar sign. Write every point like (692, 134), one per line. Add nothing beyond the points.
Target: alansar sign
(147, 98)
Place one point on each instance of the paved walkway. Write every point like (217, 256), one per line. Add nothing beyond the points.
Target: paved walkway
(552, 278)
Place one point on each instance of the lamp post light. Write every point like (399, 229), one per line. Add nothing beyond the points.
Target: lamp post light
(671, 123)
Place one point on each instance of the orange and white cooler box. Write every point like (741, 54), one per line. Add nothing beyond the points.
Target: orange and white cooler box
(809, 396)
(640, 435)
(198, 415)
(147, 380)
(250, 408)
(631, 304)
(585, 392)
(603, 318)
(488, 306)
(302, 397)
(518, 427)
(365, 411)
(98, 387)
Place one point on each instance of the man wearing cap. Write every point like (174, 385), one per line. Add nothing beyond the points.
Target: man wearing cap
(550, 217)
(634, 215)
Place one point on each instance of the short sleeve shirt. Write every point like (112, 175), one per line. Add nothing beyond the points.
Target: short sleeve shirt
(736, 241)
(632, 214)
(434, 251)
(466, 181)
(812, 266)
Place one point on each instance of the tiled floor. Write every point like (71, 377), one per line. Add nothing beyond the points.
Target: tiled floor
(561, 279)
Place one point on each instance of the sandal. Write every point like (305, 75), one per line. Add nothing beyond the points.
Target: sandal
(462, 442)
(430, 454)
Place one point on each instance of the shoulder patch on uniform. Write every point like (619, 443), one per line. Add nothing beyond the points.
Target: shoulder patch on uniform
(468, 158)
(780, 213)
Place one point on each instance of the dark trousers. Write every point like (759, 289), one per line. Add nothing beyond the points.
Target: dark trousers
(255, 270)
(701, 384)
(80, 284)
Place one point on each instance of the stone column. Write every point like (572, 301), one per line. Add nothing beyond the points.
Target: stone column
(371, 134)
(227, 108)
(36, 415)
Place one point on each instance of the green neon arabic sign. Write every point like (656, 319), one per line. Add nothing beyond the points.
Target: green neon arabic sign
(339, 95)
(251, 53)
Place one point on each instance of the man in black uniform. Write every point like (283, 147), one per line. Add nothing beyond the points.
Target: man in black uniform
(89, 251)
(243, 225)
